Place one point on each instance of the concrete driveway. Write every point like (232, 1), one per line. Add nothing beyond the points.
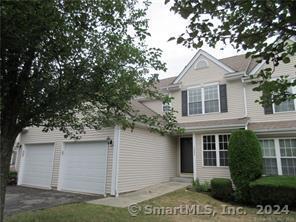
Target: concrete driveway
(20, 199)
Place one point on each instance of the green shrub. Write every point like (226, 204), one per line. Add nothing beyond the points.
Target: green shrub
(221, 188)
(279, 190)
(12, 178)
(245, 162)
(200, 187)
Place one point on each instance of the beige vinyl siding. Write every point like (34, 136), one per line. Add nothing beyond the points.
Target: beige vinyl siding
(145, 159)
(255, 110)
(155, 105)
(35, 135)
(212, 74)
(206, 173)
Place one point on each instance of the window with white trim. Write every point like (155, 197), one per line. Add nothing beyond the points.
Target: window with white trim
(288, 156)
(166, 107)
(279, 156)
(211, 98)
(203, 100)
(215, 150)
(223, 149)
(201, 64)
(209, 150)
(288, 105)
(269, 157)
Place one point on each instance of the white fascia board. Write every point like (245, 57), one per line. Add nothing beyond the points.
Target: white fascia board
(193, 60)
(257, 68)
(222, 127)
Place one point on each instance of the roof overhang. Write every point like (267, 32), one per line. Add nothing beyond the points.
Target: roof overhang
(171, 88)
(215, 128)
(234, 76)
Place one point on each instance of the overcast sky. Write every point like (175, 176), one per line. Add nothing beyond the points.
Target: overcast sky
(165, 24)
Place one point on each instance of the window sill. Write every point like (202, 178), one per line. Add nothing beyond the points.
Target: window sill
(222, 167)
(284, 112)
(203, 114)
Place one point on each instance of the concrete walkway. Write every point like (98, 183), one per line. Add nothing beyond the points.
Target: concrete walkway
(138, 196)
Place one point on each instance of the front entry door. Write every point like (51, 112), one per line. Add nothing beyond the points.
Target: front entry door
(186, 155)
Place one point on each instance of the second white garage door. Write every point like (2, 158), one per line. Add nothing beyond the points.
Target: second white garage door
(83, 167)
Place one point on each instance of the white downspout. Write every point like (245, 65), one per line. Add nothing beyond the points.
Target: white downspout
(115, 162)
(245, 103)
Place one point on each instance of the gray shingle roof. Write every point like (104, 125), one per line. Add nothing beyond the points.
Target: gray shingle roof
(276, 125)
(214, 123)
(239, 63)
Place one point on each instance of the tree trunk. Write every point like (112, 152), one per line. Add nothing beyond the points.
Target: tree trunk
(8, 136)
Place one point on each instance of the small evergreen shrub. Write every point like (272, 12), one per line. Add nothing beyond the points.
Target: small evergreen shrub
(221, 188)
(245, 162)
(271, 190)
(200, 187)
(12, 178)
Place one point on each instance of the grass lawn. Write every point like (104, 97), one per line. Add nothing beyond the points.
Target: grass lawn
(83, 212)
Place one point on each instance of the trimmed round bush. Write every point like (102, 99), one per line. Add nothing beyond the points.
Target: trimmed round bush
(271, 190)
(245, 162)
(221, 188)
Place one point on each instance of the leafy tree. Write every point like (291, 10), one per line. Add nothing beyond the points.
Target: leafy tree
(263, 28)
(73, 65)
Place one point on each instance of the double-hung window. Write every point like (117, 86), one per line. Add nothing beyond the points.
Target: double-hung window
(195, 101)
(288, 105)
(288, 156)
(269, 157)
(209, 150)
(215, 150)
(211, 99)
(279, 156)
(203, 100)
(166, 107)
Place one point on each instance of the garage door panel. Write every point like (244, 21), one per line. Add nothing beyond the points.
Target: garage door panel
(84, 167)
(37, 165)
(89, 165)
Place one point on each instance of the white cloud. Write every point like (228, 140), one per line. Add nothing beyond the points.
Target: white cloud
(164, 24)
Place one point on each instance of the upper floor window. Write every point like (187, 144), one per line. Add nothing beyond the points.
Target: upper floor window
(166, 107)
(288, 105)
(201, 64)
(203, 100)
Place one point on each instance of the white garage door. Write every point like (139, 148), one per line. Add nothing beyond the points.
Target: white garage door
(37, 163)
(83, 167)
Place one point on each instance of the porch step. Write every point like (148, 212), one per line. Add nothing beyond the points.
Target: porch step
(181, 179)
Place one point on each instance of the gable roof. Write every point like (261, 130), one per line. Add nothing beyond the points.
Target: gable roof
(142, 109)
(207, 55)
(238, 63)
(165, 82)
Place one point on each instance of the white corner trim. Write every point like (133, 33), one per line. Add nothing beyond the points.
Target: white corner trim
(257, 68)
(194, 156)
(21, 167)
(193, 60)
(115, 162)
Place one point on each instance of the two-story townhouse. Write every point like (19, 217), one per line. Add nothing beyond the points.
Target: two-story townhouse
(212, 98)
